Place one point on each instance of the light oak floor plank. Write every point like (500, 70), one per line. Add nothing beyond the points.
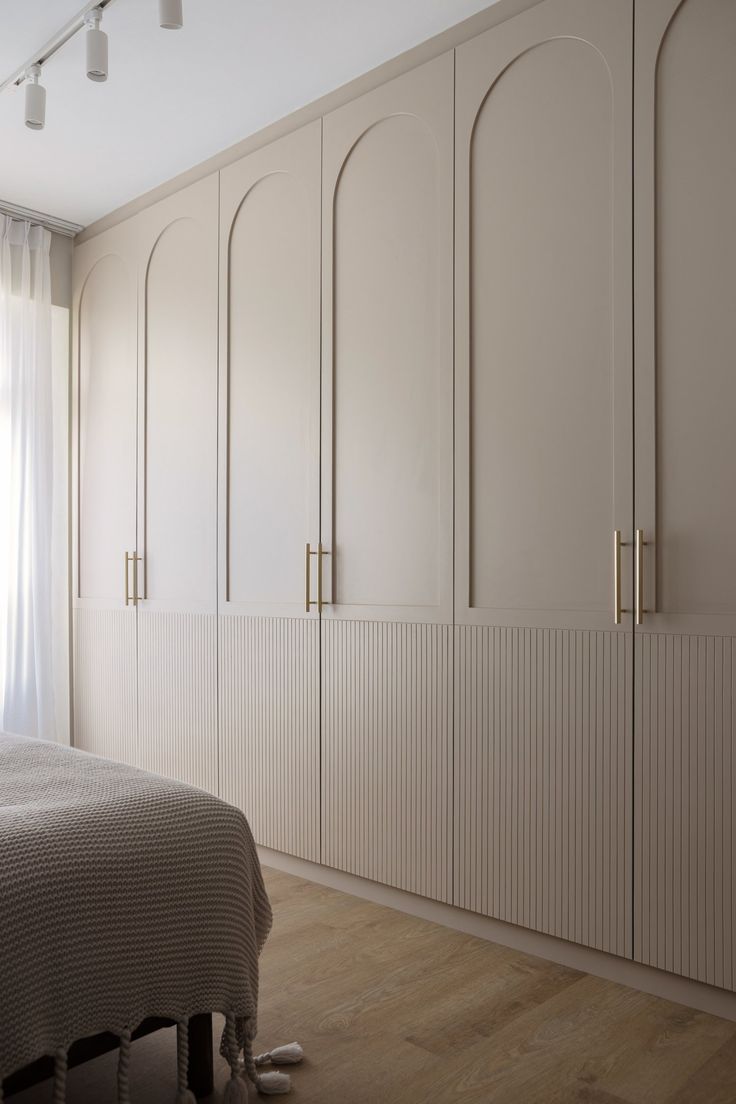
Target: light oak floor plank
(397, 1010)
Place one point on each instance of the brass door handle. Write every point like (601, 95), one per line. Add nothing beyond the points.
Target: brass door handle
(131, 558)
(617, 577)
(618, 544)
(309, 603)
(319, 552)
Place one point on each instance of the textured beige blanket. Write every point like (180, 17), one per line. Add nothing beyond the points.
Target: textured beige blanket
(123, 895)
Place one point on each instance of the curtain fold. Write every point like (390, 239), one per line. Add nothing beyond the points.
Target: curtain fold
(26, 480)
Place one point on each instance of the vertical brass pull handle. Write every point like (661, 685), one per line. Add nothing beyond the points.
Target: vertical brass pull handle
(319, 552)
(127, 589)
(618, 544)
(639, 583)
(617, 577)
(308, 602)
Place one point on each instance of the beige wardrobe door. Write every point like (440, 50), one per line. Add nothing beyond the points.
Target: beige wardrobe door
(269, 489)
(685, 676)
(387, 482)
(544, 471)
(177, 484)
(104, 494)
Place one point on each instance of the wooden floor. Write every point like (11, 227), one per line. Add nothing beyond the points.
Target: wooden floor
(395, 1010)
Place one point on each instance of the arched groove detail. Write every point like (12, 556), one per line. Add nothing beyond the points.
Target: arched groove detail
(387, 258)
(374, 126)
(80, 307)
(255, 186)
(665, 33)
(88, 277)
(241, 205)
(270, 245)
(529, 50)
(164, 233)
(111, 269)
(509, 157)
(176, 230)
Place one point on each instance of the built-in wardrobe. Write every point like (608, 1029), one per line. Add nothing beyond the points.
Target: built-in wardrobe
(404, 482)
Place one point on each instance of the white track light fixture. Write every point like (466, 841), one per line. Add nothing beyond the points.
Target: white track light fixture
(35, 99)
(96, 46)
(170, 18)
(170, 15)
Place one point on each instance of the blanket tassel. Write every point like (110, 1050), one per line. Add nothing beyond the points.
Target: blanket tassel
(184, 1093)
(60, 1068)
(287, 1055)
(236, 1091)
(124, 1068)
(272, 1083)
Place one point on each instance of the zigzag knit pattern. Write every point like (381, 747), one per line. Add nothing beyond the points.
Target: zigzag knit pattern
(123, 895)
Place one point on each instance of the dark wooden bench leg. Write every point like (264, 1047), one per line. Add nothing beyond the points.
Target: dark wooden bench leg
(201, 1071)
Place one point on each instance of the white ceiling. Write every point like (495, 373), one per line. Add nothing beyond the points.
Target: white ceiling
(174, 98)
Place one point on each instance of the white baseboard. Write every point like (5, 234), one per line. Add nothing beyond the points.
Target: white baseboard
(694, 994)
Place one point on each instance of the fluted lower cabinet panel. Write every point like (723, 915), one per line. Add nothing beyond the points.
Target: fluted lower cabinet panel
(685, 830)
(269, 728)
(105, 708)
(387, 753)
(543, 780)
(177, 696)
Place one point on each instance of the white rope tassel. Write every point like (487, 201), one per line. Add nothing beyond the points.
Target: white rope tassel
(124, 1068)
(184, 1093)
(272, 1083)
(60, 1068)
(236, 1091)
(288, 1055)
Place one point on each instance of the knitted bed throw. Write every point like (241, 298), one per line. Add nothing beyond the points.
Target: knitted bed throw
(123, 895)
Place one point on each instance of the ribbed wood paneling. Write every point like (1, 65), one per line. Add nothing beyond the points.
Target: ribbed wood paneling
(387, 753)
(269, 728)
(543, 780)
(177, 696)
(685, 829)
(105, 721)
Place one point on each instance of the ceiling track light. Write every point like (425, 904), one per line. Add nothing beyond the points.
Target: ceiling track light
(35, 99)
(96, 45)
(170, 15)
(28, 74)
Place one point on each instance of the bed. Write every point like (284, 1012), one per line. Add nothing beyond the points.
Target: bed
(128, 902)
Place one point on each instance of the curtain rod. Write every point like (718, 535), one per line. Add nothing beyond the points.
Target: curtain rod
(50, 222)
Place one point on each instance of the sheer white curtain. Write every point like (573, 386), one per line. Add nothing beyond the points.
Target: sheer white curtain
(26, 458)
